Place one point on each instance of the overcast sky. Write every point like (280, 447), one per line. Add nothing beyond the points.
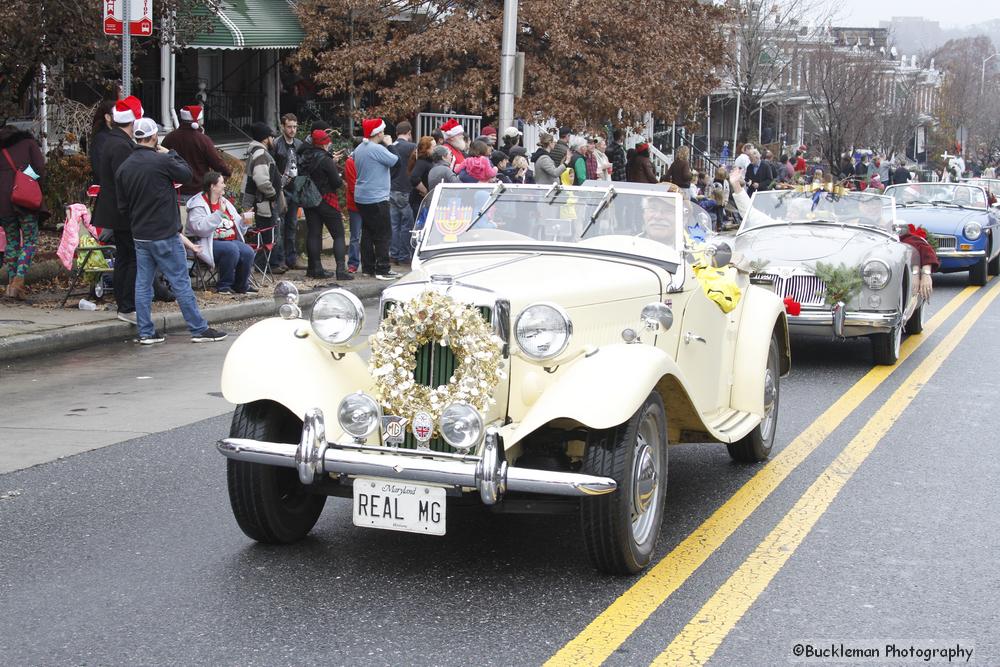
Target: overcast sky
(948, 12)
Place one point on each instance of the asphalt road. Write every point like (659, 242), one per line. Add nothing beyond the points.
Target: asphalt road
(128, 553)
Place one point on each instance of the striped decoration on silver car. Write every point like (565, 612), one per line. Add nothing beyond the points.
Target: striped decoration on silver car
(808, 290)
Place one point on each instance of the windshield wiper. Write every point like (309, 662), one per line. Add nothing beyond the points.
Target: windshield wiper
(553, 192)
(497, 191)
(605, 201)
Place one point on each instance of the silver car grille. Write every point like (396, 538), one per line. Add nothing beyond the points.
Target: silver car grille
(945, 242)
(805, 289)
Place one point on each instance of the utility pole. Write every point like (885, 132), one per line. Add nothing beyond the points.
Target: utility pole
(982, 81)
(508, 54)
(126, 50)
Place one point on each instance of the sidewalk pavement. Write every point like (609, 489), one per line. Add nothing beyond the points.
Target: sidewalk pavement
(27, 330)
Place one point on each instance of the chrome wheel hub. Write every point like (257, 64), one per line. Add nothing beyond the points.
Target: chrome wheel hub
(770, 398)
(643, 478)
(647, 467)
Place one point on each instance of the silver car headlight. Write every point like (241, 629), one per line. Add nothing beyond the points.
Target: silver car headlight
(337, 316)
(359, 415)
(543, 331)
(972, 231)
(461, 426)
(876, 273)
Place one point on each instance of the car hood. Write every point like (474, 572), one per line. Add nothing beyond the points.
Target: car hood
(567, 280)
(797, 244)
(939, 219)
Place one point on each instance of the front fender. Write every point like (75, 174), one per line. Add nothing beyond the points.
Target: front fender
(602, 390)
(268, 362)
(763, 316)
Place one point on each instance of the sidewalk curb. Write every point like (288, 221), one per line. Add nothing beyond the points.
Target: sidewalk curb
(81, 335)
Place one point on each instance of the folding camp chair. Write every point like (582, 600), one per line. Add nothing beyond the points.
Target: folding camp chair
(261, 240)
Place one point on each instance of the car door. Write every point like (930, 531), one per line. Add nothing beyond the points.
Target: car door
(705, 347)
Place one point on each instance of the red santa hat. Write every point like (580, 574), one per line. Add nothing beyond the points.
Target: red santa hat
(452, 128)
(127, 110)
(192, 114)
(372, 126)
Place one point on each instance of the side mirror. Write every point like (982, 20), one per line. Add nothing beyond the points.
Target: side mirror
(720, 251)
(416, 237)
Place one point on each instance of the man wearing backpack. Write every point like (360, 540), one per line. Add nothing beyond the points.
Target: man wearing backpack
(263, 189)
(286, 149)
(319, 180)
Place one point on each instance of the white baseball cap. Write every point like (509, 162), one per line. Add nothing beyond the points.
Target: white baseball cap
(512, 132)
(144, 128)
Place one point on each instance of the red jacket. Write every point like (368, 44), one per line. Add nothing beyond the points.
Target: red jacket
(350, 178)
(200, 154)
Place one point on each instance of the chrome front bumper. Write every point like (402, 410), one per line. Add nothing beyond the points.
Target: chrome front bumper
(843, 323)
(961, 254)
(314, 457)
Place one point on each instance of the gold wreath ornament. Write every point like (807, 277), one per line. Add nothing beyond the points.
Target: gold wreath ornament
(433, 317)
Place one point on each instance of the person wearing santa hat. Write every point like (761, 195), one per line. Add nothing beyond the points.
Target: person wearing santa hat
(117, 148)
(191, 143)
(454, 140)
(373, 162)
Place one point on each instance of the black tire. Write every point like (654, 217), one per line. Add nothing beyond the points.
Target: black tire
(977, 273)
(756, 445)
(885, 346)
(993, 267)
(269, 502)
(915, 324)
(607, 521)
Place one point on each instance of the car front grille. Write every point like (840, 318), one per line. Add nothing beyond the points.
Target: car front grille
(805, 289)
(435, 366)
(945, 242)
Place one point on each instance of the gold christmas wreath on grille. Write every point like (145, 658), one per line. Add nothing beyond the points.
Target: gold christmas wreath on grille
(434, 317)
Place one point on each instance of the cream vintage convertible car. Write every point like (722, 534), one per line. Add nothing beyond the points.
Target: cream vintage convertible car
(547, 346)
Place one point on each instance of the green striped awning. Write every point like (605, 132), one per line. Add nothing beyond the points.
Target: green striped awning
(251, 24)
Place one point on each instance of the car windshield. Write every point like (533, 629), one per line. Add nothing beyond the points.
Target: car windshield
(795, 207)
(938, 194)
(539, 215)
(991, 185)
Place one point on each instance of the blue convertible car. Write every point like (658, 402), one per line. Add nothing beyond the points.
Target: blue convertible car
(959, 217)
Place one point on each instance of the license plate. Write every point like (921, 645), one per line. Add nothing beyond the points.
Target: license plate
(394, 505)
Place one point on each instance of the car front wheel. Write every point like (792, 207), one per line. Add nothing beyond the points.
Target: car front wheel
(269, 502)
(756, 445)
(620, 529)
(885, 346)
(977, 273)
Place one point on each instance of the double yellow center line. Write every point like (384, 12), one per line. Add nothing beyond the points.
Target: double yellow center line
(616, 623)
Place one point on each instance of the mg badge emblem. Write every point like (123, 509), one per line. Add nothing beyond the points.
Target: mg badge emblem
(393, 430)
(785, 273)
(423, 427)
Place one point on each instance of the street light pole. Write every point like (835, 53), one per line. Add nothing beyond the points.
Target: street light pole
(508, 52)
(982, 80)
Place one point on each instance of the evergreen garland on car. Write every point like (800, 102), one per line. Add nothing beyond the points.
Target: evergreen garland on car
(843, 283)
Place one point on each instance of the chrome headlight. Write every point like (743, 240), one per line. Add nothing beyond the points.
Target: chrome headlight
(876, 273)
(972, 231)
(337, 316)
(461, 426)
(286, 297)
(543, 331)
(359, 415)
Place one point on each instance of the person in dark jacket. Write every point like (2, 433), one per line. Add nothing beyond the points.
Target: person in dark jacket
(316, 162)
(144, 186)
(679, 172)
(115, 149)
(419, 167)
(100, 129)
(899, 175)
(20, 225)
(760, 174)
(286, 151)
(640, 169)
(616, 154)
(192, 144)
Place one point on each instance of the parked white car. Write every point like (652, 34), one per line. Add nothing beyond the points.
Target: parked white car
(547, 346)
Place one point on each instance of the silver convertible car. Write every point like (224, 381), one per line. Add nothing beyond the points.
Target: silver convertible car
(836, 258)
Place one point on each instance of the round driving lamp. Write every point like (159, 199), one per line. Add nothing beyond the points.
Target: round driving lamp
(359, 415)
(543, 331)
(972, 231)
(876, 274)
(337, 316)
(286, 298)
(461, 426)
